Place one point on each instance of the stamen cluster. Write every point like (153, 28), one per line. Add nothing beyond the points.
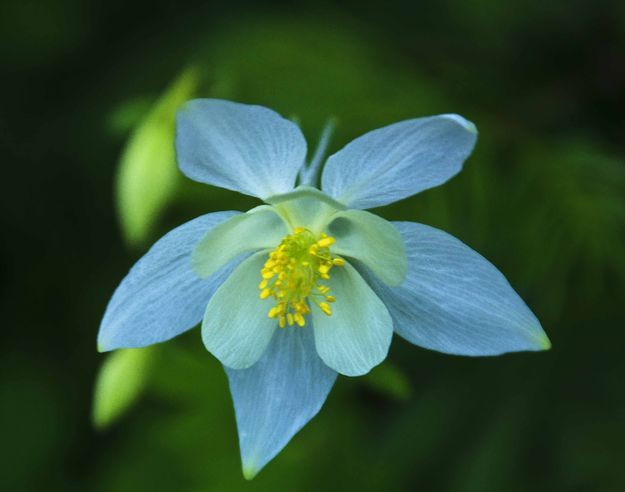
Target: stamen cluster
(293, 274)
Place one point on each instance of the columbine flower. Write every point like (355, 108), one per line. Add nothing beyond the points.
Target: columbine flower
(310, 285)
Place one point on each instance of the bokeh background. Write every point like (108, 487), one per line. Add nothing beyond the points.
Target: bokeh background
(89, 182)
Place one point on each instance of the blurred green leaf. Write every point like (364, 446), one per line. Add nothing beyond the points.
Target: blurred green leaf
(127, 115)
(120, 382)
(389, 380)
(148, 176)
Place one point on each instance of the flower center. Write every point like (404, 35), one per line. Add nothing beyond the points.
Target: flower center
(293, 273)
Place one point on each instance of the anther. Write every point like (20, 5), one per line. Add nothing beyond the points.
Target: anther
(292, 273)
(325, 242)
(325, 308)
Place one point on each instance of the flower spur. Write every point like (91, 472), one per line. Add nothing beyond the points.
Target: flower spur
(310, 284)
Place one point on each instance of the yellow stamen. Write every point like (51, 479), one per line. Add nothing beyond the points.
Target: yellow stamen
(326, 241)
(324, 268)
(292, 276)
(325, 308)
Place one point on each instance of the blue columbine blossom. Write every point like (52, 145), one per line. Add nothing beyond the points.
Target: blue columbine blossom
(309, 284)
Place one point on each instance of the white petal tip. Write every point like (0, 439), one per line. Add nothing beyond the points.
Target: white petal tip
(466, 124)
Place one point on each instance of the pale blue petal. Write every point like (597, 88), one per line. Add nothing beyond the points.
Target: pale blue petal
(250, 149)
(306, 207)
(372, 240)
(236, 328)
(454, 301)
(161, 296)
(278, 395)
(357, 336)
(260, 228)
(399, 160)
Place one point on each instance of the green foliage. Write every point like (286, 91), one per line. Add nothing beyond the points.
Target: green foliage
(582, 212)
(120, 382)
(129, 114)
(148, 177)
(389, 380)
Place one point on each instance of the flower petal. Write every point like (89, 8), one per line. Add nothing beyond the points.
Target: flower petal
(306, 207)
(357, 335)
(236, 328)
(454, 301)
(399, 160)
(372, 240)
(278, 395)
(259, 228)
(250, 149)
(161, 296)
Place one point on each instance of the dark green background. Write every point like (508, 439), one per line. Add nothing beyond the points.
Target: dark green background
(543, 197)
